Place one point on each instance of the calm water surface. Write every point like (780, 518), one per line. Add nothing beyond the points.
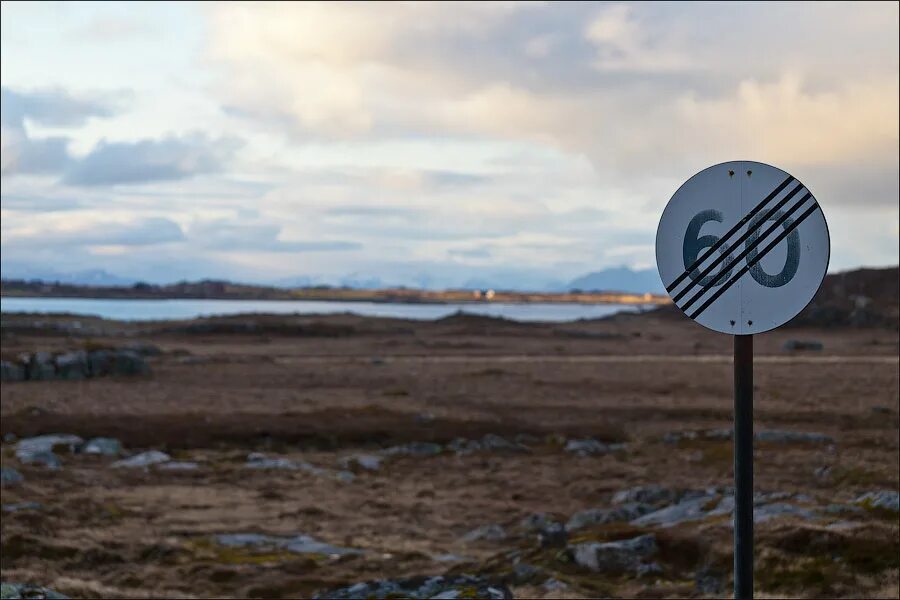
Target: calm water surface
(155, 310)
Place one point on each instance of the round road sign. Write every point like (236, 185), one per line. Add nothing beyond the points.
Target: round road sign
(742, 247)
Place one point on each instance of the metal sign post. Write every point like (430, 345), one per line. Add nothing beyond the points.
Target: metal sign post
(742, 247)
(743, 466)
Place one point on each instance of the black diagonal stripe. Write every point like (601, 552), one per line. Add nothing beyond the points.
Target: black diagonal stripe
(731, 232)
(709, 268)
(759, 240)
(759, 257)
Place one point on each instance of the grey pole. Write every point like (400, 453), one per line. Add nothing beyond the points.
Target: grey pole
(743, 467)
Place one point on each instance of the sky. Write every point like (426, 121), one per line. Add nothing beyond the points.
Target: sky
(425, 144)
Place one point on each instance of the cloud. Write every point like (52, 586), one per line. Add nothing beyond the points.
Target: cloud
(21, 154)
(221, 234)
(54, 107)
(637, 83)
(62, 233)
(623, 44)
(171, 158)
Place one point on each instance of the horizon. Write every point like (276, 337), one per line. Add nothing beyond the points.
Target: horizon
(425, 145)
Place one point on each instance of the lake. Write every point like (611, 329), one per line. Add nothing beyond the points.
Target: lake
(156, 310)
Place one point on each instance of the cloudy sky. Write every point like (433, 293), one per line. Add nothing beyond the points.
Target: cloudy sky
(425, 143)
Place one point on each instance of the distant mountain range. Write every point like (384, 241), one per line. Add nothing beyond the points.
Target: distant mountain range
(618, 279)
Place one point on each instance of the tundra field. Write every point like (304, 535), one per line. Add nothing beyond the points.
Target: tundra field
(278, 457)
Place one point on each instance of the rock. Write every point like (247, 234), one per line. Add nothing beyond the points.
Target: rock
(179, 465)
(103, 446)
(615, 557)
(143, 460)
(116, 362)
(720, 435)
(673, 437)
(774, 435)
(883, 499)
(43, 457)
(645, 494)
(599, 516)
(9, 477)
(448, 558)
(844, 525)
(590, 446)
(491, 533)
(841, 509)
(523, 574)
(299, 544)
(143, 349)
(39, 366)
(764, 497)
(554, 585)
(10, 371)
(689, 509)
(414, 449)
(99, 362)
(126, 362)
(22, 591)
(536, 521)
(496, 443)
(417, 588)
(71, 365)
(345, 476)
(258, 460)
(806, 345)
(553, 535)
(39, 449)
(766, 512)
(489, 443)
(361, 462)
(645, 569)
(20, 506)
(708, 583)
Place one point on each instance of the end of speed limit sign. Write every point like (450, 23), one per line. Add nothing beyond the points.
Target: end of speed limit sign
(742, 247)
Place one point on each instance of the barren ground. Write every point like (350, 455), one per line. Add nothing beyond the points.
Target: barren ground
(339, 386)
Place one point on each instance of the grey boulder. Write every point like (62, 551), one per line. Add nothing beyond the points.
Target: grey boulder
(418, 588)
(300, 544)
(10, 371)
(645, 494)
(103, 446)
(40, 449)
(590, 447)
(142, 460)
(361, 462)
(10, 476)
(17, 591)
(600, 516)
(491, 533)
(39, 366)
(883, 499)
(71, 365)
(623, 556)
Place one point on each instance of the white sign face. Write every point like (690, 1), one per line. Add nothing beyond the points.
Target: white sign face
(742, 247)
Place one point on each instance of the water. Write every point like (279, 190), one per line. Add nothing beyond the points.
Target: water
(155, 310)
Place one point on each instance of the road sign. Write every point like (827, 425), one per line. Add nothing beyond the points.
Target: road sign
(742, 247)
